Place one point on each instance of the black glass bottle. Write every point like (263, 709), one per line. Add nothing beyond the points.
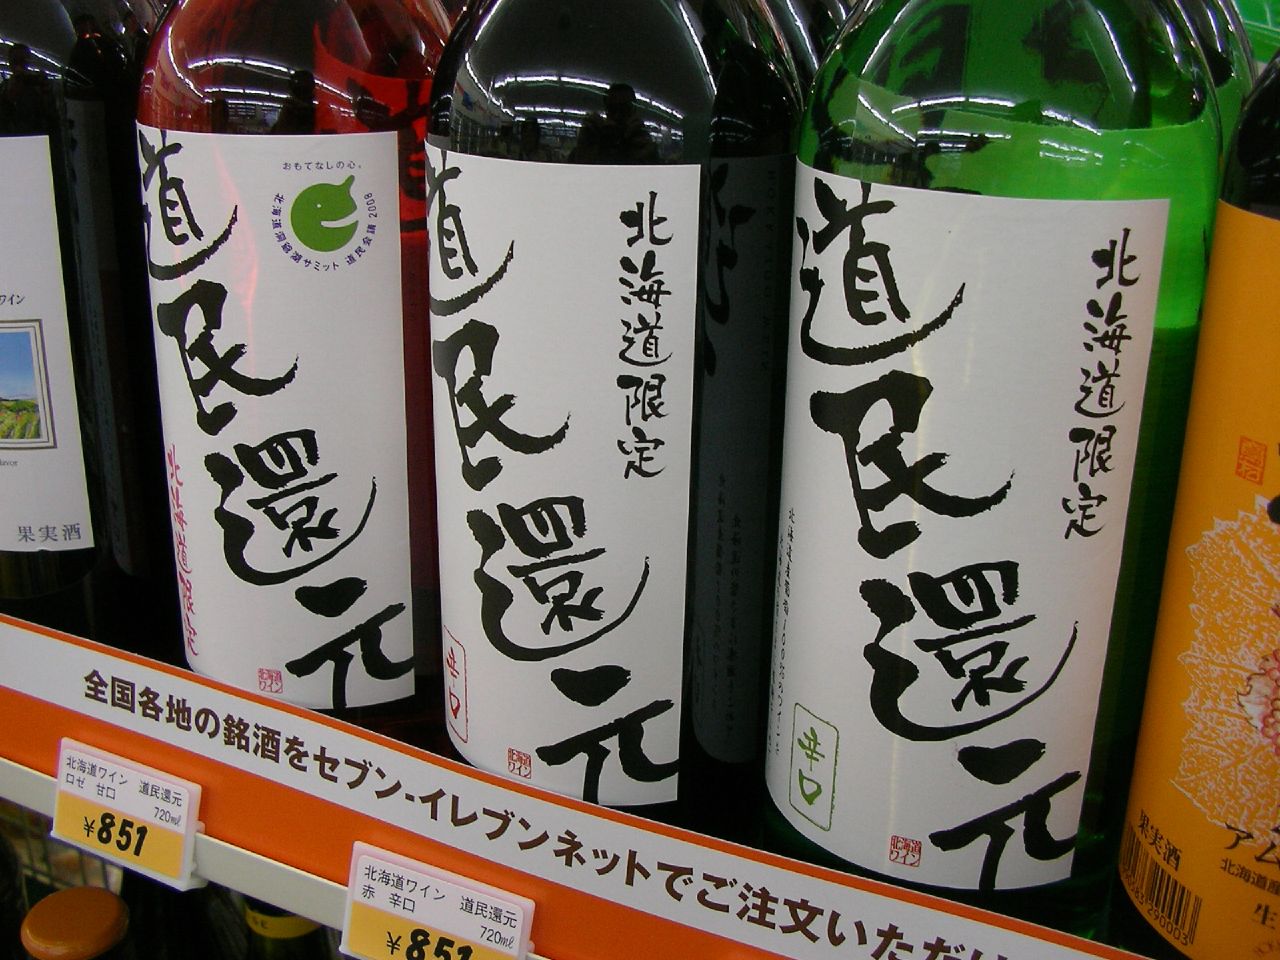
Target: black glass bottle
(69, 88)
(810, 27)
(624, 132)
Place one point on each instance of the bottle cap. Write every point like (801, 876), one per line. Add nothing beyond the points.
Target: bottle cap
(75, 924)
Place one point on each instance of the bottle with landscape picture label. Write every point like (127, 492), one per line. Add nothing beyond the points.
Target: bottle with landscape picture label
(1198, 863)
(611, 203)
(280, 143)
(1001, 213)
(79, 455)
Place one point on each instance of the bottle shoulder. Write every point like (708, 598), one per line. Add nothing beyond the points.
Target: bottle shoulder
(922, 86)
(1251, 174)
(263, 66)
(49, 50)
(613, 81)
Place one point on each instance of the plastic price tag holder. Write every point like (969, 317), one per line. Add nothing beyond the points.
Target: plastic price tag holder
(399, 909)
(128, 813)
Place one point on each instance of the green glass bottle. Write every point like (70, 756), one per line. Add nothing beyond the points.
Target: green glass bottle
(612, 181)
(1001, 211)
(1262, 21)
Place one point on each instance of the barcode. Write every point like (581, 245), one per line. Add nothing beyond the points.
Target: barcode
(1169, 905)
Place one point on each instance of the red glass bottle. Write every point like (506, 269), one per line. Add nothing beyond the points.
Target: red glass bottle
(278, 78)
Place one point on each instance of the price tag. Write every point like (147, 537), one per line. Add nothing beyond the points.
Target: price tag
(398, 909)
(128, 813)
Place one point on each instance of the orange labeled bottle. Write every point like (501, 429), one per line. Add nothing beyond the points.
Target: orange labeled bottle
(1200, 855)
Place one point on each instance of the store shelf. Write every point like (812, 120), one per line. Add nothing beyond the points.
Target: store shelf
(287, 792)
(303, 893)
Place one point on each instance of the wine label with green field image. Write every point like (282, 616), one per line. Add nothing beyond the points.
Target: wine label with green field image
(45, 502)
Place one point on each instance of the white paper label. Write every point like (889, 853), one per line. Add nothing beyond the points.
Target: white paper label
(563, 305)
(276, 298)
(46, 500)
(965, 382)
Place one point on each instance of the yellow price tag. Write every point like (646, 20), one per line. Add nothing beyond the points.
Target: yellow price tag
(399, 909)
(116, 836)
(376, 934)
(127, 813)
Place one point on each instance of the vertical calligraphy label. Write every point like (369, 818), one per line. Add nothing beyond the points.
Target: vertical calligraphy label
(275, 282)
(46, 501)
(563, 305)
(965, 383)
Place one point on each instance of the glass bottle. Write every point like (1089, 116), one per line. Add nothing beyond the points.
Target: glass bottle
(810, 27)
(205, 923)
(1197, 856)
(83, 482)
(1262, 21)
(281, 149)
(976, 485)
(612, 198)
(276, 934)
(1222, 36)
(13, 901)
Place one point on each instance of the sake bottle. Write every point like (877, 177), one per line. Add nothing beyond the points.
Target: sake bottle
(83, 515)
(1224, 40)
(1198, 852)
(276, 934)
(810, 27)
(611, 186)
(1001, 213)
(13, 900)
(1262, 22)
(280, 143)
(205, 923)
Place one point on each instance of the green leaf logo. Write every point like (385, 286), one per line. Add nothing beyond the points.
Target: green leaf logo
(316, 214)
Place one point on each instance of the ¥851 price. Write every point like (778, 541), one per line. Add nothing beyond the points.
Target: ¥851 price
(122, 833)
(420, 944)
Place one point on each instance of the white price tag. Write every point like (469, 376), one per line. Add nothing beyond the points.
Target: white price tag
(128, 813)
(399, 909)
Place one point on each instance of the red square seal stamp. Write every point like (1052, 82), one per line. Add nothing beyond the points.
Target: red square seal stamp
(1251, 460)
(904, 851)
(270, 681)
(519, 763)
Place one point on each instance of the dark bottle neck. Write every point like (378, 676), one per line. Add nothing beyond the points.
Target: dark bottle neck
(1251, 177)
